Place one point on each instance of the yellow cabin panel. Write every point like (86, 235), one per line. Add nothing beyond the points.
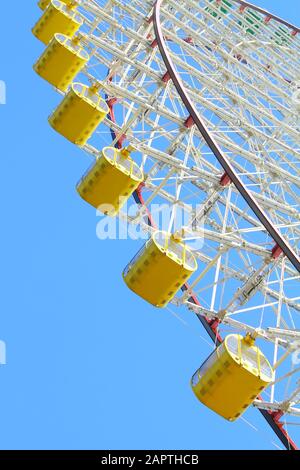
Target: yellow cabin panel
(79, 114)
(160, 269)
(62, 60)
(232, 377)
(57, 18)
(43, 4)
(110, 181)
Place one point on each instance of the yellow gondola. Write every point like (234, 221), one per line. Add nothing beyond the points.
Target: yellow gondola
(160, 269)
(232, 377)
(62, 60)
(110, 181)
(57, 18)
(79, 113)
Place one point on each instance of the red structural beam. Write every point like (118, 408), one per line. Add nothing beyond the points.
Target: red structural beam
(211, 326)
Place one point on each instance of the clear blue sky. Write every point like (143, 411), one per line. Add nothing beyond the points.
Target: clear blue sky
(90, 366)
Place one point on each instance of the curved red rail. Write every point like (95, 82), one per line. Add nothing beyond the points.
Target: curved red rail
(272, 418)
(268, 15)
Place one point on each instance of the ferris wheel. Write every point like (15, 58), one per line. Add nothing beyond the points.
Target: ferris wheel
(192, 110)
